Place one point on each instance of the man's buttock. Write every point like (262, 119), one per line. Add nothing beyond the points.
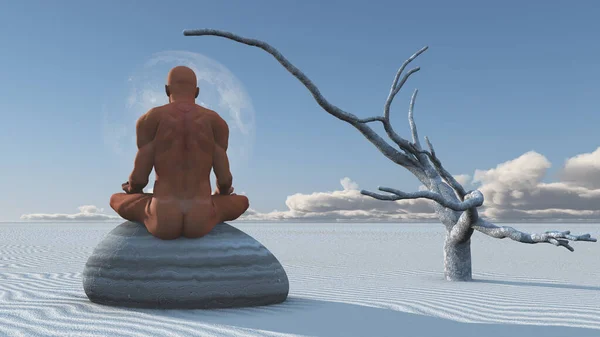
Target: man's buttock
(187, 204)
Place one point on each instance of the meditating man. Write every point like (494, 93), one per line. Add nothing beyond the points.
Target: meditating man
(183, 142)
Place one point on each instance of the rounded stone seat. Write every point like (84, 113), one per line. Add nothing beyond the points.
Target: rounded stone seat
(225, 268)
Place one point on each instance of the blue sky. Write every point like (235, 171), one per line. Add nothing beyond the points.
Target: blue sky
(507, 88)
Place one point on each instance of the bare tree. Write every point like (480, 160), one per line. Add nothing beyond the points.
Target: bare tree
(455, 207)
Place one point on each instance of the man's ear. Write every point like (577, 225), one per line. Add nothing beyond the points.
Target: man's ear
(197, 92)
(167, 90)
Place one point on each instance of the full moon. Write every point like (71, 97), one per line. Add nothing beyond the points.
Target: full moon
(220, 91)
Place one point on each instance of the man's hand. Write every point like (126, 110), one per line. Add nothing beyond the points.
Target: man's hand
(218, 192)
(127, 188)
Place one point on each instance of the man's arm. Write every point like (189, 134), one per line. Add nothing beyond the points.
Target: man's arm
(220, 159)
(145, 129)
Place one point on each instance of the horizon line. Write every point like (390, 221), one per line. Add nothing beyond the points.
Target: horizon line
(597, 221)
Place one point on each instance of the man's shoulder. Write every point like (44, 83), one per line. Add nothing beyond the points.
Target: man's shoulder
(209, 112)
(149, 120)
(155, 114)
(152, 113)
(157, 110)
(215, 118)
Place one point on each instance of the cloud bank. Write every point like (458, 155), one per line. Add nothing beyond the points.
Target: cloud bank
(513, 191)
(86, 213)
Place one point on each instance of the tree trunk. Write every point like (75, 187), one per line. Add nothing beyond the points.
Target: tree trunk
(457, 260)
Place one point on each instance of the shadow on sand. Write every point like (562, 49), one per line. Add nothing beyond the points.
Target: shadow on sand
(538, 284)
(310, 317)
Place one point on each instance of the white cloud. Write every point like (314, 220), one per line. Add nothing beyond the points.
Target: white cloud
(86, 213)
(513, 191)
(583, 170)
(345, 205)
(348, 184)
(463, 179)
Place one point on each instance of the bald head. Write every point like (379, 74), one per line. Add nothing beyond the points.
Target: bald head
(181, 82)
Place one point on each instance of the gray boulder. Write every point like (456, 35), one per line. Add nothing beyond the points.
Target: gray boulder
(225, 268)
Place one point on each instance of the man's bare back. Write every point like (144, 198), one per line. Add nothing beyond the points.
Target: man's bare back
(183, 142)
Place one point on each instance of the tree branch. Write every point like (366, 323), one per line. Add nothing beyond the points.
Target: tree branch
(399, 158)
(437, 164)
(556, 238)
(404, 145)
(396, 86)
(371, 119)
(411, 121)
(476, 199)
(409, 149)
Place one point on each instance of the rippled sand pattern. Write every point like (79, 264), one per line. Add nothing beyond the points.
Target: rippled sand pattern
(345, 280)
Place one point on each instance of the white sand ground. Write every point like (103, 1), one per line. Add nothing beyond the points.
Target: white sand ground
(345, 280)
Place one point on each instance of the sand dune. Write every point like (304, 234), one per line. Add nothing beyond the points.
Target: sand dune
(345, 280)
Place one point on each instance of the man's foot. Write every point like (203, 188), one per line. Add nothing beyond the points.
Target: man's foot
(132, 207)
